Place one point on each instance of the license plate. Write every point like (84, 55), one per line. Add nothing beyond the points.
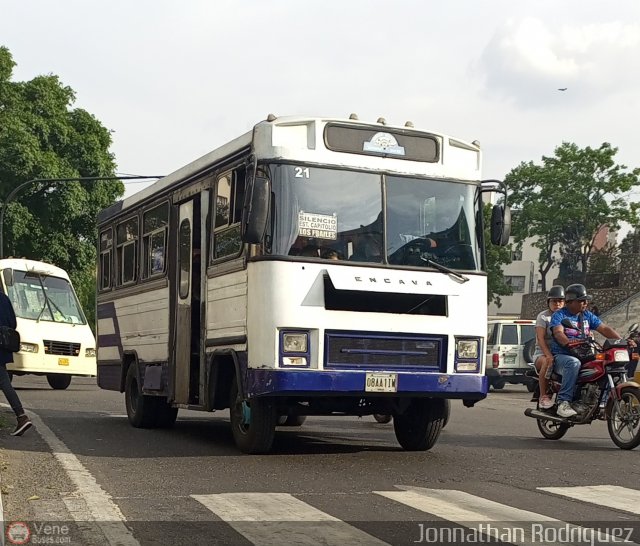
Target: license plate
(63, 362)
(509, 359)
(381, 382)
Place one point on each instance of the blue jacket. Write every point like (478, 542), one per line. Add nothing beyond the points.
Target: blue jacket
(7, 318)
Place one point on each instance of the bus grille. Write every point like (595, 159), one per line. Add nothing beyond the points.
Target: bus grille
(370, 350)
(61, 348)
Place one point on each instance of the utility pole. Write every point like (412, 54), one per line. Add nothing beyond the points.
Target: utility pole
(19, 187)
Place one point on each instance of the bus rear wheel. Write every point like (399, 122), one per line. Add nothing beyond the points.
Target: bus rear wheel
(165, 414)
(59, 381)
(419, 427)
(253, 424)
(141, 409)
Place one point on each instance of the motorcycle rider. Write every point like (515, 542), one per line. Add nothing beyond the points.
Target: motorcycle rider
(583, 322)
(542, 356)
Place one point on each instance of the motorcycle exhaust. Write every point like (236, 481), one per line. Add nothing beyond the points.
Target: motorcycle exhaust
(537, 414)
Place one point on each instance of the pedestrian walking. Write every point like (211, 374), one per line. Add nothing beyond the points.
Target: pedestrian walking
(8, 320)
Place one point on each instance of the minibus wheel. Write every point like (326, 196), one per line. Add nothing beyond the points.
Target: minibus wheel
(253, 423)
(419, 427)
(59, 381)
(165, 414)
(140, 408)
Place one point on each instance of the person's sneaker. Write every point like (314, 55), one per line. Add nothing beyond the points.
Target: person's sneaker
(545, 402)
(23, 424)
(565, 409)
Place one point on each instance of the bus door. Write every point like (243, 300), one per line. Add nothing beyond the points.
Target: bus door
(188, 354)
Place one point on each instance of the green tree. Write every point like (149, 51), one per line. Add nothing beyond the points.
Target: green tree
(42, 136)
(565, 201)
(496, 256)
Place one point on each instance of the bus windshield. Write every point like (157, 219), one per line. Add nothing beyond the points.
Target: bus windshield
(366, 217)
(36, 296)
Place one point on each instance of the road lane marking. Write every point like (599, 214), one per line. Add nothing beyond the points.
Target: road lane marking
(280, 518)
(609, 496)
(91, 506)
(510, 524)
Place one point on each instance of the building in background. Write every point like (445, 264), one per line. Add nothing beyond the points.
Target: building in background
(524, 278)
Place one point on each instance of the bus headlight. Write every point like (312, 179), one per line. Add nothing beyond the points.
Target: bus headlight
(295, 343)
(467, 348)
(294, 361)
(28, 347)
(90, 353)
(467, 357)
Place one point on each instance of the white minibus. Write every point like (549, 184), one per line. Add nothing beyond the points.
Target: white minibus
(55, 338)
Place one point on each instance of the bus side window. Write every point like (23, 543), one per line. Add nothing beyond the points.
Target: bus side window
(127, 236)
(154, 240)
(229, 199)
(106, 250)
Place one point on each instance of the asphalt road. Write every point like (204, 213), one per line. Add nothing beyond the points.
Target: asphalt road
(180, 486)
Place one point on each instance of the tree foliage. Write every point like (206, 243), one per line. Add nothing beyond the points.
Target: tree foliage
(565, 201)
(42, 136)
(496, 257)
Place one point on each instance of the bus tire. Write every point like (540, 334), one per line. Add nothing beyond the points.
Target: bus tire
(447, 412)
(59, 381)
(141, 409)
(418, 428)
(291, 420)
(256, 436)
(166, 415)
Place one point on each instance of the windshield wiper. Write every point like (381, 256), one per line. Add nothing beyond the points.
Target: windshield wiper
(443, 269)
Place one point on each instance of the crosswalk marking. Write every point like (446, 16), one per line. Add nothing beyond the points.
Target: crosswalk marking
(460, 507)
(610, 496)
(515, 525)
(280, 518)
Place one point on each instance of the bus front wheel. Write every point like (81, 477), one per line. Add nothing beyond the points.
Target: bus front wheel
(59, 381)
(418, 428)
(253, 424)
(141, 409)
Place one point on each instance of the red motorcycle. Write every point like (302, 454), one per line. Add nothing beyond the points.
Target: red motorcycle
(603, 392)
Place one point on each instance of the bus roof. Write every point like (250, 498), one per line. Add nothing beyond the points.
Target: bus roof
(23, 264)
(279, 133)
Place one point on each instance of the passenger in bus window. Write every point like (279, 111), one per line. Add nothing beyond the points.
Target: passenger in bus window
(330, 254)
(310, 251)
(8, 319)
(368, 249)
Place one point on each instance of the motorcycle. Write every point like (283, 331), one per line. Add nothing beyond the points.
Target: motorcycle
(634, 352)
(603, 392)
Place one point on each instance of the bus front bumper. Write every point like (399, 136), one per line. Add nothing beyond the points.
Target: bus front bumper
(261, 382)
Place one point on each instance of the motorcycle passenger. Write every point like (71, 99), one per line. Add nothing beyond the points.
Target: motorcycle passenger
(542, 356)
(583, 322)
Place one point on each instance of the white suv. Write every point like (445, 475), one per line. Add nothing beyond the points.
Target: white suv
(506, 362)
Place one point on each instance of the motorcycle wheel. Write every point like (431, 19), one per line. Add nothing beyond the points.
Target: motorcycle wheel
(552, 430)
(624, 419)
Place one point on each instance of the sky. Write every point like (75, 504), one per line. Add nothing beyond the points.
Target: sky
(174, 80)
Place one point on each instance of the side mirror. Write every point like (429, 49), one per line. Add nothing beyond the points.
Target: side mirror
(500, 225)
(255, 210)
(7, 275)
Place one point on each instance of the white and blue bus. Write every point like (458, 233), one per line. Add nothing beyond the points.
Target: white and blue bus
(309, 267)
(56, 340)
